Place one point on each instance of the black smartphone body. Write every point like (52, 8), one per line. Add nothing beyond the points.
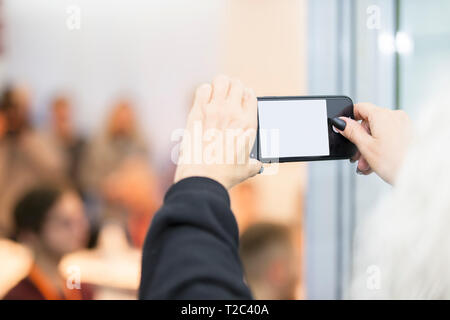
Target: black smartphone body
(292, 129)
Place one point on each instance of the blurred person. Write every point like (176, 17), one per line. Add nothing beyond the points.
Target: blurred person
(191, 249)
(51, 223)
(118, 141)
(65, 137)
(244, 204)
(134, 186)
(115, 167)
(269, 261)
(27, 157)
(16, 107)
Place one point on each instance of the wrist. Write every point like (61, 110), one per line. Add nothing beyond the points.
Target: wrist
(197, 186)
(189, 172)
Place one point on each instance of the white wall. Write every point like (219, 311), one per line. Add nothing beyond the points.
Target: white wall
(154, 51)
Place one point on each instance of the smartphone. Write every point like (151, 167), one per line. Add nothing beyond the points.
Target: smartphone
(292, 129)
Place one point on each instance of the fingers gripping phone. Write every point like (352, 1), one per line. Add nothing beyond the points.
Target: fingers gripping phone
(292, 129)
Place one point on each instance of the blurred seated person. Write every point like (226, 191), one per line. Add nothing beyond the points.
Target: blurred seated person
(27, 158)
(244, 204)
(64, 136)
(116, 172)
(51, 223)
(270, 262)
(134, 186)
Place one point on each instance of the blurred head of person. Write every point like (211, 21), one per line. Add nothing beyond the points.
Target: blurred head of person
(269, 262)
(51, 221)
(122, 122)
(15, 106)
(61, 118)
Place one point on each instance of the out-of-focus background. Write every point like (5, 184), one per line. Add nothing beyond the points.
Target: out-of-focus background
(91, 91)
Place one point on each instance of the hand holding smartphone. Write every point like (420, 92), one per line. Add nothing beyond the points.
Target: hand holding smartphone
(292, 129)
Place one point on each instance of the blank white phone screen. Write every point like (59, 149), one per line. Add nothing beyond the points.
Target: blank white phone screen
(293, 128)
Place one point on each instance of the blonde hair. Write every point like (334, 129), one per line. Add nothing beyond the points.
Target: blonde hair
(403, 247)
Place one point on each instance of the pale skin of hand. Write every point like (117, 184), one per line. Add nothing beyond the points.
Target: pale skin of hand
(220, 107)
(382, 139)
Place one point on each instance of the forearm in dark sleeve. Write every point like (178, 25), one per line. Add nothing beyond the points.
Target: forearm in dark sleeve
(191, 249)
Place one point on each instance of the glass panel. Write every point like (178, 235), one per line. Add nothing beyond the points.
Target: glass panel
(424, 49)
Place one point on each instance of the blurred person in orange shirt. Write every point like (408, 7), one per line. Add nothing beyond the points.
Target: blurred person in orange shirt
(51, 222)
(27, 157)
(270, 262)
(116, 171)
(3, 125)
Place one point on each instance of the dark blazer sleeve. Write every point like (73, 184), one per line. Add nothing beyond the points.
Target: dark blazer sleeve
(191, 249)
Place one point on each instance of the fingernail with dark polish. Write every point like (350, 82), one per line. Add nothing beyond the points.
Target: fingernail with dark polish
(358, 171)
(338, 123)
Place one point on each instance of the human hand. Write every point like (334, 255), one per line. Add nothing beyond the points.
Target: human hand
(382, 139)
(225, 114)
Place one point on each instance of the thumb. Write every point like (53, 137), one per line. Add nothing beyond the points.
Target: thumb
(254, 167)
(356, 133)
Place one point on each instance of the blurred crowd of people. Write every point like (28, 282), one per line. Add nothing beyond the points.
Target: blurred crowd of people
(108, 171)
(58, 189)
(62, 192)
